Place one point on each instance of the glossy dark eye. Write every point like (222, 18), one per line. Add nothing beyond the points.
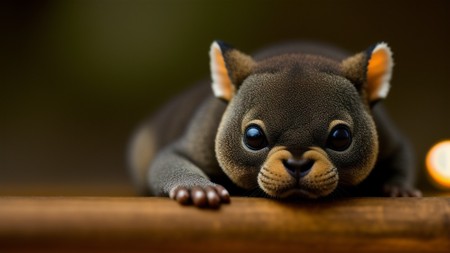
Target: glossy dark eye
(254, 138)
(340, 138)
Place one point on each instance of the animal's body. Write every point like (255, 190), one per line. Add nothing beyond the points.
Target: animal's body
(299, 121)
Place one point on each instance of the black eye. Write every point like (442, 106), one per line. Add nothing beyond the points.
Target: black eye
(254, 138)
(340, 138)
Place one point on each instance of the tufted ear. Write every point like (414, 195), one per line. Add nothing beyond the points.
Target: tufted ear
(229, 68)
(371, 72)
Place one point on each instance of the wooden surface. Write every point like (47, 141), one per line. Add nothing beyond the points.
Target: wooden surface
(72, 224)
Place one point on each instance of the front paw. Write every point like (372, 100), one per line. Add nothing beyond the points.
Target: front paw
(400, 191)
(201, 196)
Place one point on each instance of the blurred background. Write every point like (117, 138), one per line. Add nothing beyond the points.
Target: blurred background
(76, 77)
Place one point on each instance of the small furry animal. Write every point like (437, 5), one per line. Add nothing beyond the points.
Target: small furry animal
(296, 121)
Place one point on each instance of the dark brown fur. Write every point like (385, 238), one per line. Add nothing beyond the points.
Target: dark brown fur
(195, 143)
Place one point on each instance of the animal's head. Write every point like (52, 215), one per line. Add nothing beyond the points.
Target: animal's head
(295, 124)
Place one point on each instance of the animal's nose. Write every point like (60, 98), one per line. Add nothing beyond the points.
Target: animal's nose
(298, 167)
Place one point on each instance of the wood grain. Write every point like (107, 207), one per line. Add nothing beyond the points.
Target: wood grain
(108, 224)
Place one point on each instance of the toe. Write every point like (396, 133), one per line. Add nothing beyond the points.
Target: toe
(181, 195)
(223, 194)
(404, 193)
(198, 196)
(416, 193)
(391, 191)
(212, 196)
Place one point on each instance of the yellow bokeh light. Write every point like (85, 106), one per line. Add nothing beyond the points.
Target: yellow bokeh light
(438, 163)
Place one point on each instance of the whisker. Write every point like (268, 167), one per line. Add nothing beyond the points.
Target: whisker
(279, 179)
(264, 170)
(325, 179)
(324, 174)
(264, 175)
(329, 183)
(332, 179)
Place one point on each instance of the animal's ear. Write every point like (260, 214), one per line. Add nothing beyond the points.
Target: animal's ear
(371, 72)
(229, 68)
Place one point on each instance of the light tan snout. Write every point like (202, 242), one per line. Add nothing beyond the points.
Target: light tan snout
(284, 175)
